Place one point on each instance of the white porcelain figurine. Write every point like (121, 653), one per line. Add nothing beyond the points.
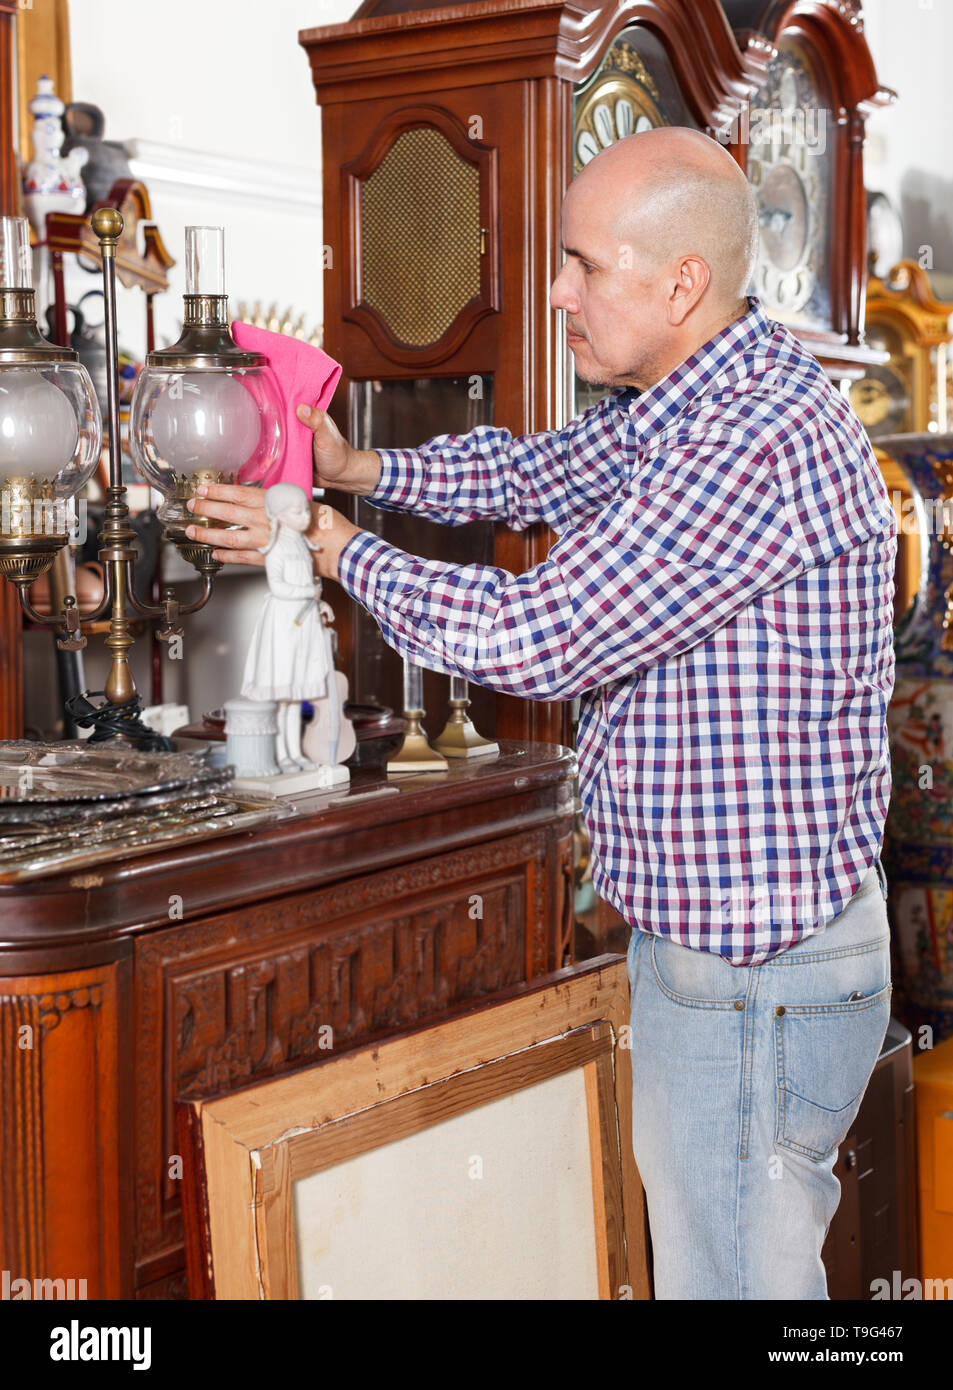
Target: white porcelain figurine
(290, 657)
(52, 182)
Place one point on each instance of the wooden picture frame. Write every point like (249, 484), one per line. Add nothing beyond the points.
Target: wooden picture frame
(553, 1043)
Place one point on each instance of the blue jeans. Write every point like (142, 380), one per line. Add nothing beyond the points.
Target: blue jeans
(745, 1081)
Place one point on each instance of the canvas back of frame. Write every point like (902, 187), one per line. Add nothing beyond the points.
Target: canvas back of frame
(487, 1156)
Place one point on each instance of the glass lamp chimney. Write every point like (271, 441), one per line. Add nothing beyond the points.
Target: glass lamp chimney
(205, 260)
(16, 260)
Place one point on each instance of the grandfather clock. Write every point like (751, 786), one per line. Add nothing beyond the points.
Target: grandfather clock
(906, 393)
(449, 138)
(804, 157)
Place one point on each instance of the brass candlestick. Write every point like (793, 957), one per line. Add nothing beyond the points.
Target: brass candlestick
(459, 738)
(415, 753)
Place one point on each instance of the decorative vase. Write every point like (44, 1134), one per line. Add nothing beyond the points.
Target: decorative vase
(251, 727)
(106, 161)
(52, 182)
(918, 842)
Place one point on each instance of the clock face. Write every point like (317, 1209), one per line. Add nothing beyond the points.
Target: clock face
(881, 400)
(786, 277)
(882, 396)
(634, 89)
(618, 106)
(790, 166)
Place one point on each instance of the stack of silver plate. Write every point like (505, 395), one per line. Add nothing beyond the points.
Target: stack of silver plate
(67, 805)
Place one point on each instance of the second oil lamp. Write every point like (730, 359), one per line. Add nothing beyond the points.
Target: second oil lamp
(204, 410)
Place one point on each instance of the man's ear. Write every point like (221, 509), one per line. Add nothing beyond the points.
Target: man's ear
(691, 280)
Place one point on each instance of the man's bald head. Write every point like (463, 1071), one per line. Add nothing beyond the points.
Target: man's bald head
(679, 193)
(660, 233)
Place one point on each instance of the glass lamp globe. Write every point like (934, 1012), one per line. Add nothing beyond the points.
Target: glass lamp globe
(204, 410)
(50, 423)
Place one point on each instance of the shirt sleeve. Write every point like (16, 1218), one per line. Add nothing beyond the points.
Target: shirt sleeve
(558, 477)
(652, 574)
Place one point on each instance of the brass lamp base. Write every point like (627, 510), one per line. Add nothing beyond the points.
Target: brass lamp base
(199, 556)
(197, 553)
(415, 753)
(460, 738)
(24, 558)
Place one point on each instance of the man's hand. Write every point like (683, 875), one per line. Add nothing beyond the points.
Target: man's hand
(336, 464)
(245, 507)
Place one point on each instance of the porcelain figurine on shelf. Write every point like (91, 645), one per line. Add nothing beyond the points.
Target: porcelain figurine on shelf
(52, 182)
(290, 657)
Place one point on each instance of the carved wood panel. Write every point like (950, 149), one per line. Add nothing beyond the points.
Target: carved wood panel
(61, 1151)
(247, 994)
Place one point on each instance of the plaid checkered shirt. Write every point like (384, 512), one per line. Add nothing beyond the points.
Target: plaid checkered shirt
(719, 597)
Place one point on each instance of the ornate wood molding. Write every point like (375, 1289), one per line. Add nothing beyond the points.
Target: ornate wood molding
(61, 1214)
(21, 1137)
(516, 40)
(475, 153)
(71, 231)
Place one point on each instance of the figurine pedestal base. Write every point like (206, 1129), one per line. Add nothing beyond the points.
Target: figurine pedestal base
(294, 783)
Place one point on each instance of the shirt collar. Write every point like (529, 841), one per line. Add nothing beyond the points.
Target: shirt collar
(654, 409)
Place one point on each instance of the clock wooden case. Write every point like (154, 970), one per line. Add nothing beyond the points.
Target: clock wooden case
(11, 655)
(804, 150)
(907, 393)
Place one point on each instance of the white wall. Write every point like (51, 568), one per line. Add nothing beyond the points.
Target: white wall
(218, 98)
(909, 152)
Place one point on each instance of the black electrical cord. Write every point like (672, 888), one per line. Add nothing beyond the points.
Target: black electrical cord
(116, 721)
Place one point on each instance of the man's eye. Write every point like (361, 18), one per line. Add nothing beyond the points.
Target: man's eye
(588, 268)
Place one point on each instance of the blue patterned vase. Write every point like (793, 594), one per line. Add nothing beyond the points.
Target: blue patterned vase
(918, 845)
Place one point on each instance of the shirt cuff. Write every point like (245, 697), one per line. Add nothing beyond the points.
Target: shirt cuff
(402, 480)
(363, 563)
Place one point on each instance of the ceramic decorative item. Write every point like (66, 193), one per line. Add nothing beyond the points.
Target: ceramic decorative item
(250, 730)
(106, 160)
(52, 182)
(918, 843)
(290, 657)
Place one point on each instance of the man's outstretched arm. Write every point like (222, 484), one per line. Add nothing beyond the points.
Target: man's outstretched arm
(559, 477)
(649, 577)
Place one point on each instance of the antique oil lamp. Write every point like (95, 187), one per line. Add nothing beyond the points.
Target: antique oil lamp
(50, 426)
(203, 411)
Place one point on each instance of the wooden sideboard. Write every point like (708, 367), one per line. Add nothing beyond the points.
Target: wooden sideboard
(196, 970)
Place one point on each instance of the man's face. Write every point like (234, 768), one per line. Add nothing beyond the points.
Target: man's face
(612, 293)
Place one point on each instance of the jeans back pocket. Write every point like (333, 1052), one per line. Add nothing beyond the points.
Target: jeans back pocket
(824, 1055)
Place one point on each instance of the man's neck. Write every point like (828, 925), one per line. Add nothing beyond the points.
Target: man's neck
(699, 337)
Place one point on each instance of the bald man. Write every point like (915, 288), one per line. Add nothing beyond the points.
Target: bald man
(719, 599)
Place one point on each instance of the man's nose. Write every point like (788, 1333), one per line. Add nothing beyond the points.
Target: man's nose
(562, 295)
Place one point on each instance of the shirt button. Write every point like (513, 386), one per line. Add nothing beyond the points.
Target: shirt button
(739, 1004)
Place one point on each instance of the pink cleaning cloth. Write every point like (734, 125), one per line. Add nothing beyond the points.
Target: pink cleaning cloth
(305, 374)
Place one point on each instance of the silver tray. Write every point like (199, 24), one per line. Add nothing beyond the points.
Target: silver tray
(74, 771)
(63, 849)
